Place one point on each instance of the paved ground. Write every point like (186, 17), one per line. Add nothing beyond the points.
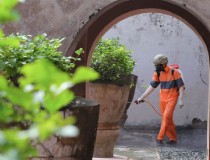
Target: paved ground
(138, 144)
(192, 145)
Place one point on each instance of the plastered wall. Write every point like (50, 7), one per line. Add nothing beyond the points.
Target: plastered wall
(65, 18)
(57, 18)
(149, 34)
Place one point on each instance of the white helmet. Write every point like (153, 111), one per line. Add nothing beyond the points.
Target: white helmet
(160, 59)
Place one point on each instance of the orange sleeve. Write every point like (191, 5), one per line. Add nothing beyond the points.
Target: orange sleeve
(155, 81)
(155, 77)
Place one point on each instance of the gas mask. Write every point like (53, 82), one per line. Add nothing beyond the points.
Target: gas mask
(159, 68)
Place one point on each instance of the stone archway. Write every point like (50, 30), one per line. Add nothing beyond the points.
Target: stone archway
(113, 13)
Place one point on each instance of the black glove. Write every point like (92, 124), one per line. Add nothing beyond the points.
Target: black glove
(137, 101)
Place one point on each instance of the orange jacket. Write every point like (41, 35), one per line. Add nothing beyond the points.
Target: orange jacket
(169, 84)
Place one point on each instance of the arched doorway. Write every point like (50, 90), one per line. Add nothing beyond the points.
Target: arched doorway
(148, 34)
(110, 15)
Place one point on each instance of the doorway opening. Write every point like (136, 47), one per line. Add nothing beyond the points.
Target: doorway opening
(117, 11)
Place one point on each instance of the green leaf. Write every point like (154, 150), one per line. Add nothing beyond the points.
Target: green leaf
(83, 74)
(53, 102)
(9, 42)
(3, 83)
(52, 124)
(43, 73)
(7, 13)
(19, 97)
(79, 51)
(6, 112)
(1, 33)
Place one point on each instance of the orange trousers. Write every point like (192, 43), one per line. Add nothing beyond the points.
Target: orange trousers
(167, 124)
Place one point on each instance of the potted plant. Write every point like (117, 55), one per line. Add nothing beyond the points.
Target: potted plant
(35, 101)
(114, 64)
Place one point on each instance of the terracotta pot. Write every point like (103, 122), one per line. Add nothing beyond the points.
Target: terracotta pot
(112, 99)
(133, 80)
(78, 148)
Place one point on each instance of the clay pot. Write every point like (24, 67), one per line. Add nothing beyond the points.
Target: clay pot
(112, 99)
(78, 148)
(133, 80)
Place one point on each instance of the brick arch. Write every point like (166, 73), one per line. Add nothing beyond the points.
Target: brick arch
(94, 29)
(91, 32)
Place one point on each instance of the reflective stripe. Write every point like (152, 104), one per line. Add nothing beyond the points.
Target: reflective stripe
(172, 84)
(154, 84)
(168, 85)
(179, 82)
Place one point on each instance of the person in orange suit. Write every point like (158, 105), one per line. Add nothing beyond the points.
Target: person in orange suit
(171, 91)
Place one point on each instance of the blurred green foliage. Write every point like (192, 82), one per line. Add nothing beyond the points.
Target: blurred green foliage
(7, 11)
(30, 112)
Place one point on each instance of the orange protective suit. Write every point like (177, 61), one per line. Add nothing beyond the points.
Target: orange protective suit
(169, 85)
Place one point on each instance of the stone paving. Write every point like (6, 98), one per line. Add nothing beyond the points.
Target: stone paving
(192, 145)
(138, 144)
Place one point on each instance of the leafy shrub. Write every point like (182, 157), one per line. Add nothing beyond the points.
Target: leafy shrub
(112, 60)
(12, 58)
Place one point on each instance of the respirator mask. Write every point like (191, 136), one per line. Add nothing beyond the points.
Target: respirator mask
(159, 68)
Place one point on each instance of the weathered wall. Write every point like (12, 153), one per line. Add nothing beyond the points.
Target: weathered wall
(64, 18)
(199, 8)
(57, 18)
(150, 34)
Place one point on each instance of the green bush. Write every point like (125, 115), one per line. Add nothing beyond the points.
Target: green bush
(112, 61)
(30, 49)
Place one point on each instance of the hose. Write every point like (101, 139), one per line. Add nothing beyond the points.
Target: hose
(153, 107)
(149, 105)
